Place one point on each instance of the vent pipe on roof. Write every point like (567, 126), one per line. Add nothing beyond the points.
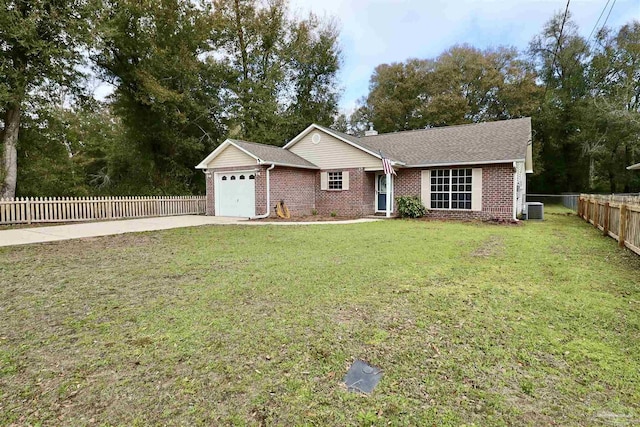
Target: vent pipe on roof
(371, 131)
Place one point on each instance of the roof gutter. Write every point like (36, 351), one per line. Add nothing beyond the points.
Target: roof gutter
(484, 162)
(265, 215)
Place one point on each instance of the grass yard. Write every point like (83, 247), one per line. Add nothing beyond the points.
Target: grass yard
(472, 324)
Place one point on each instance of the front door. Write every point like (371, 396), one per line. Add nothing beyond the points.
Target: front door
(381, 192)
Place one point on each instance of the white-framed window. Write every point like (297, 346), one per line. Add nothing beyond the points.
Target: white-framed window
(334, 180)
(451, 189)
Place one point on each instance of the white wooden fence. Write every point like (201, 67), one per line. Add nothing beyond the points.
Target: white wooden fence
(617, 217)
(27, 210)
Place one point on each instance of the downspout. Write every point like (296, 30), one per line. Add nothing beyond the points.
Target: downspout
(515, 191)
(268, 195)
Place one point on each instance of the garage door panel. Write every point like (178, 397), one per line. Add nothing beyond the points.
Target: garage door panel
(235, 194)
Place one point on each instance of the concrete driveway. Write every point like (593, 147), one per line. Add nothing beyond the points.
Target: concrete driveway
(23, 236)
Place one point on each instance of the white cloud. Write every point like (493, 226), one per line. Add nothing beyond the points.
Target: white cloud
(382, 31)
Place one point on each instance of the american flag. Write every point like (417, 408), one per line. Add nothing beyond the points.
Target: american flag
(386, 166)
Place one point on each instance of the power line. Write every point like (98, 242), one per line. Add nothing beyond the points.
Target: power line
(555, 53)
(609, 14)
(599, 17)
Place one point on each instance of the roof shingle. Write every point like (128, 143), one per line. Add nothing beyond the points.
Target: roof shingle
(499, 141)
(274, 154)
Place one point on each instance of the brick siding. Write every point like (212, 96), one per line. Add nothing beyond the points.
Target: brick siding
(296, 187)
(352, 202)
(300, 190)
(497, 193)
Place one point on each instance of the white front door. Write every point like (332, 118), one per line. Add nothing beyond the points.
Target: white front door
(235, 194)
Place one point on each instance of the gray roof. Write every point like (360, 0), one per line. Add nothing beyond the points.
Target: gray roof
(499, 141)
(274, 154)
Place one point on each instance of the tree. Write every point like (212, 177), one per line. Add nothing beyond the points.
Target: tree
(167, 91)
(284, 69)
(562, 56)
(615, 76)
(463, 85)
(40, 50)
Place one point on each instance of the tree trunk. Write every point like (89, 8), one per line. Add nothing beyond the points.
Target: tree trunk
(9, 170)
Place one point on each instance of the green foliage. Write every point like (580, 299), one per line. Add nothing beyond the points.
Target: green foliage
(166, 96)
(334, 214)
(463, 85)
(285, 69)
(410, 207)
(314, 212)
(589, 122)
(41, 45)
(584, 101)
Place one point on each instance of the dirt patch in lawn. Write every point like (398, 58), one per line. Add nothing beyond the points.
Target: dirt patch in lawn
(493, 246)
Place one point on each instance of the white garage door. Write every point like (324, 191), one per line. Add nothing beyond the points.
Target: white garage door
(236, 194)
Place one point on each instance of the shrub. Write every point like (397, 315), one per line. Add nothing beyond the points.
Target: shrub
(334, 214)
(410, 207)
(314, 212)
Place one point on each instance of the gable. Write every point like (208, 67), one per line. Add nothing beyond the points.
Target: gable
(231, 156)
(331, 153)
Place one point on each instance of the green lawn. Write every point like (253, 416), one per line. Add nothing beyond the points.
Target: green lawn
(472, 324)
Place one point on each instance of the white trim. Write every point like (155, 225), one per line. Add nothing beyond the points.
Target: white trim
(453, 164)
(287, 165)
(451, 192)
(203, 164)
(312, 126)
(375, 202)
(515, 190)
(268, 211)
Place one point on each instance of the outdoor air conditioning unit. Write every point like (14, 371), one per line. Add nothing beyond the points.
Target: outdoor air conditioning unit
(534, 210)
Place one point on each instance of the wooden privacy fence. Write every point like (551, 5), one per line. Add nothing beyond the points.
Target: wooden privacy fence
(27, 210)
(616, 216)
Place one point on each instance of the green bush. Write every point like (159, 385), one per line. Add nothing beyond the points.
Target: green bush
(410, 207)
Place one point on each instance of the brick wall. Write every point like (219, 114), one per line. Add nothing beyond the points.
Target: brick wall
(497, 193)
(296, 187)
(406, 183)
(356, 201)
(300, 189)
(210, 194)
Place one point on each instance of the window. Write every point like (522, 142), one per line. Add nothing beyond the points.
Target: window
(451, 188)
(233, 177)
(335, 180)
(241, 176)
(224, 178)
(252, 177)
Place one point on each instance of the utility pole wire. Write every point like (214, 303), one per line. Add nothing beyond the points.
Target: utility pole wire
(555, 53)
(609, 14)
(599, 17)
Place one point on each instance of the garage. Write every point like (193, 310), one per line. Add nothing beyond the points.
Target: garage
(235, 194)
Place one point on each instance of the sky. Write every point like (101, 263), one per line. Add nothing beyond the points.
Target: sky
(375, 32)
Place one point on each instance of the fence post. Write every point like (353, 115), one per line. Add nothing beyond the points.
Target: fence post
(605, 223)
(580, 206)
(622, 235)
(28, 206)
